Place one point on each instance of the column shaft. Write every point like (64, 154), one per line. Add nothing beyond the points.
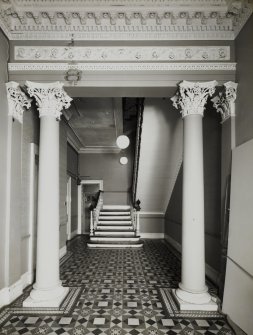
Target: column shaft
(48, 205)
(193, 250)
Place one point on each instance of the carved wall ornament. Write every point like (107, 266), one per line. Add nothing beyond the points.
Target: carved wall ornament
(122, 67)
(194, 53)
(130, 20)
(191, 97)
(224, 102)
(17, 101)
(50, 98)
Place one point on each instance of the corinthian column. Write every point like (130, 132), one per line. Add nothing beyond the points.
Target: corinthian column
(47, 290)
(192, 293)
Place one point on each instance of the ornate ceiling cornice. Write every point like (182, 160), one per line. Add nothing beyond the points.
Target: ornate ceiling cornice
(123, 20)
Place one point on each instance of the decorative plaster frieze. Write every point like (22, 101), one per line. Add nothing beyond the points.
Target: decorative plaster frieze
(224, 102)
(50, 98)
(17, 101)
(191, 97)
(121, 67)
(131, 20)
(111, 54)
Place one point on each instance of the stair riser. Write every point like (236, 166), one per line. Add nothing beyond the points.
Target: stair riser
(113, 218)
(116, 246)
(115, 222)
(110, 233)
(113, 228)
(115, 213)
(114, 239)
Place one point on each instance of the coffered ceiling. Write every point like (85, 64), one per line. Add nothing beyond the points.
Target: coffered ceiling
(123, 19)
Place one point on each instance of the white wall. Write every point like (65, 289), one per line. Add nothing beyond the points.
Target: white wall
(238, 293)
(160, 154)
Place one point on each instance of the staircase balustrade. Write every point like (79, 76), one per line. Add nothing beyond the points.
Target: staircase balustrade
(95, 211)
(135, 213)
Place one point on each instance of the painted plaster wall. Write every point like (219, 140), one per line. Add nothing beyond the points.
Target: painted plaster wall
(244, 77)
(74, 205)
(236, 271)
(72, 170)
(117, 178)
(212, 161)
(3, 151)
(160, 154)
(72, 160)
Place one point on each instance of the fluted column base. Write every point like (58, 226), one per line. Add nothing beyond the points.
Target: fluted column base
(188, 301)
(46, 298)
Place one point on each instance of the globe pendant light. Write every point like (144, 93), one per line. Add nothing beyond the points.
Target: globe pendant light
(122, 141)
(123, 160)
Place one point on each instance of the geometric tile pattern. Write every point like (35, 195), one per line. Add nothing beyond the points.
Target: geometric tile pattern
(118, 295)
(172, 309)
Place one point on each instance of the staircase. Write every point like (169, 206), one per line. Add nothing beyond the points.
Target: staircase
(115, 229)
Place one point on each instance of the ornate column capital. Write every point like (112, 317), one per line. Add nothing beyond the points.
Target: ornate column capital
(192, 96)
(224, 102)
(17, 101)
(50, 98)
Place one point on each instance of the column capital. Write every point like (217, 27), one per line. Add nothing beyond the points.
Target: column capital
(50, 98)
(224, 102)
(17, 101)
(192, 96)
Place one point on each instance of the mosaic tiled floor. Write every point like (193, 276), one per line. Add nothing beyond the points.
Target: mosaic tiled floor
(114, 292)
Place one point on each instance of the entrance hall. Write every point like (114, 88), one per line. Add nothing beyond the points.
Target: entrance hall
(114, 292)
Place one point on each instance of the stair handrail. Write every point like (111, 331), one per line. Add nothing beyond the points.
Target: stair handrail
(95, 209)
(137, 148)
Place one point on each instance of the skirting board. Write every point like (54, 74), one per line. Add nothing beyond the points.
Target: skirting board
(210, 271)
(9, 294)
(152, 214)
(152, 235)
(73, 234)
(63, 251)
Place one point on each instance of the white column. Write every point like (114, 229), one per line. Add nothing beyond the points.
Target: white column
(48, 290)
(192, 293)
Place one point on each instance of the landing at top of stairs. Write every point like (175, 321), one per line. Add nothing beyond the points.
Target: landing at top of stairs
(116, 207)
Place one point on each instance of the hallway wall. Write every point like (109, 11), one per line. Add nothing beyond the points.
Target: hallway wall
(173, 216)
(72, 170)
(236, 271)
(3, 151)
(244, 77)
(117, 178)
(160, 160)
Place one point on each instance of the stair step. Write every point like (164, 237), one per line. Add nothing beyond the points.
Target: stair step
(115, 233)
(104, 227)
(116, 222)
(114, 239)
(116, 207)
(116, 217)
(124, 245)
(114, 213)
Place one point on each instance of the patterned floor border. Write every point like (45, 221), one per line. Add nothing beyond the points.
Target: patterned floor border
(65, 308)
(172, 310)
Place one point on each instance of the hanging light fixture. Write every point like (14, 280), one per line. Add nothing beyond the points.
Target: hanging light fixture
(122, 141)
(123, 160)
